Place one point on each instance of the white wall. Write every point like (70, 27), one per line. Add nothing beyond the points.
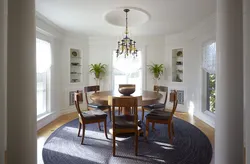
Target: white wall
(3, 75)
(51, 33)
(61, 42)
(192, 41)
(101, 50)
(75, 42)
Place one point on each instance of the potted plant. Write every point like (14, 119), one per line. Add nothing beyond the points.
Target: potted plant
(156, 70)
(98, 70)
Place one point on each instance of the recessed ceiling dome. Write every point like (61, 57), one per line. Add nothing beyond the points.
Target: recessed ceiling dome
(136, 17)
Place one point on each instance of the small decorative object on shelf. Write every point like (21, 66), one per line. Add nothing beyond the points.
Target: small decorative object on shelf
(157, 71)
(177, 65)
(179, 54)
(75, 66)
(98, 70)
(75, 80)
(179, 71)
(178, 78)
(74, 53)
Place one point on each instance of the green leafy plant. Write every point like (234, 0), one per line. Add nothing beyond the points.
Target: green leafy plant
(211, 93)
(98, 70)
(156, 70)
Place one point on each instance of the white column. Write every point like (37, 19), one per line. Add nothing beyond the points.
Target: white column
(3, 80)
(246, 35)
(21, 91)
(229, 77)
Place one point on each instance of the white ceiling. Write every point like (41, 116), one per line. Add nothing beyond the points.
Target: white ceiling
(88, 16)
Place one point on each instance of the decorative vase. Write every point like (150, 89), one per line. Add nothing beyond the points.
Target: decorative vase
(97, 81)
(156, 81)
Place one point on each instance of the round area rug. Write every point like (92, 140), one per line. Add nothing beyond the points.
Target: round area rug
(190, 146)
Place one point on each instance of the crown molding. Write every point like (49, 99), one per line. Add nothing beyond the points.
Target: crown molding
(54, 30)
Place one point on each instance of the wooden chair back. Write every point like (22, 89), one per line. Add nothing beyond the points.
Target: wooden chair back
(127, 102)
(162, 89)
(78, 98)
(174, 100)
(87, 89)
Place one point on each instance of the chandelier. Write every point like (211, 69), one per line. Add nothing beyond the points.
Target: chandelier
(126, 46)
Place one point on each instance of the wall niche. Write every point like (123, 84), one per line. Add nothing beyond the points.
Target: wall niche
(75, 66)
(177, 65)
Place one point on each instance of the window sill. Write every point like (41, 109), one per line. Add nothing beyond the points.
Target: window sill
(209, 114)
(39, 118)
(207, 117)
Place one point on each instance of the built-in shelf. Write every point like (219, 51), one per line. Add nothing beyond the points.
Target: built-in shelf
(75, 66)
(177, 65)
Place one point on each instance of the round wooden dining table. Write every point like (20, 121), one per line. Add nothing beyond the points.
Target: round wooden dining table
(148, 97)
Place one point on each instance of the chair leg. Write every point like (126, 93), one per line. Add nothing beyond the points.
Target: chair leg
(79, 129)
(173, 128)
(83, 133)
(113, 143)
(142, 114)
(136, 142)
(99, 126)
(105, 128)
(109, 114)
(153, 126)
(169, 131)
(147, 129)
(119, 111)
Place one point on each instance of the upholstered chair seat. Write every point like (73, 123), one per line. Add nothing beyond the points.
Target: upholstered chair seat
(98, 106)
(158, 114)
(94, 114)
(155, 106)
(124, 121)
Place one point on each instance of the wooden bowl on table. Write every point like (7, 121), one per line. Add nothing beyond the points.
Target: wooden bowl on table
(126, 89)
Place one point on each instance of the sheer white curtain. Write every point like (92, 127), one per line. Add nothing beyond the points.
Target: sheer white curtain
(209, 58)
(127, 71)
(43, 55)
(43, 64)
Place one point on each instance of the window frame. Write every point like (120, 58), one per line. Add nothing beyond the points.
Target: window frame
(205, 83)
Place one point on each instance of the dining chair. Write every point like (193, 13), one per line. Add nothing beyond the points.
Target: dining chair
(131, 87)
(160, 105)
(125, 123)
(163, 117)
(93, 105)
(89, 116)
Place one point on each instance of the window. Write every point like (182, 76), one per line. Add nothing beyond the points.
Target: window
(43, 64)
(127, 71)
(211, 92)
(209, 65)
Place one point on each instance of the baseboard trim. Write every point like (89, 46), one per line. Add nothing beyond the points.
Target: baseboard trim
(206, 118)
(47, 119)
(67, 111)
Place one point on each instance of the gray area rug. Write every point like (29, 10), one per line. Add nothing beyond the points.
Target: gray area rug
(190, 146)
